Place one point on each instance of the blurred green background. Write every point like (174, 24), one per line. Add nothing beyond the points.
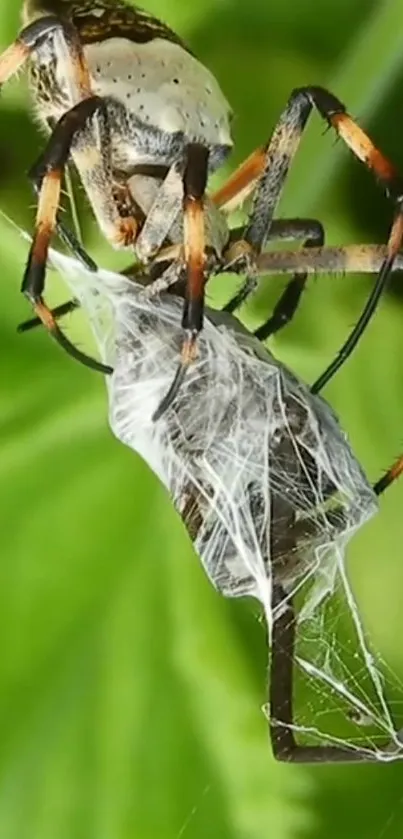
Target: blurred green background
(130, 692)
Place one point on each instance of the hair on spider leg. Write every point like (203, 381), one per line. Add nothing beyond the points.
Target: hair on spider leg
(164, 277)
(58, 312)
(69, 239)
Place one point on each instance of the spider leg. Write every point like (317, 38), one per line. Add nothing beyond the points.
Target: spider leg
(194, 185)
(70, 239)
(285, 748)
(390, 476)
(274, 165)
(57, 312)
(15, 56)
(393, 246)
(65, 234)
(12, 60)
(133, 271)
(241, 183)
(312, 234)
(284, 143)
(111, 200)
(194, 182)
(289, 301)
(162, 214)
(283, 548)
(73, 133)
(47, 175)
(351, 259)
(355, 259)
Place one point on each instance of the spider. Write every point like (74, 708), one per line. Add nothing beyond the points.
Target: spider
(144, 124)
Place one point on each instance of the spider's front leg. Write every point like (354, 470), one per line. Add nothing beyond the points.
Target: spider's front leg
(194, 186)
(268, 167)
(283, 145)
(83, 131)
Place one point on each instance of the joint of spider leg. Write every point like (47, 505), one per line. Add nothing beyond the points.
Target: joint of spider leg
(240, 256)
(34, 33)
(37, 173)
(58, 147)
(39, 170)
(189, 348)
(46, 317)
(192, 316)
(34, 276)
(57, 313)
(29, 40)
(326, 103)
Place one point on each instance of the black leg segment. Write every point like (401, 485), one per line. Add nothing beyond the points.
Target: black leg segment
(47, 176)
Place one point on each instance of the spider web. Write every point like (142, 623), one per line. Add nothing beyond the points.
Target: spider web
(251, 459)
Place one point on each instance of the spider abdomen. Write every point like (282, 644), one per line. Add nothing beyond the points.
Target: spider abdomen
(139, 64)
(163, 86)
